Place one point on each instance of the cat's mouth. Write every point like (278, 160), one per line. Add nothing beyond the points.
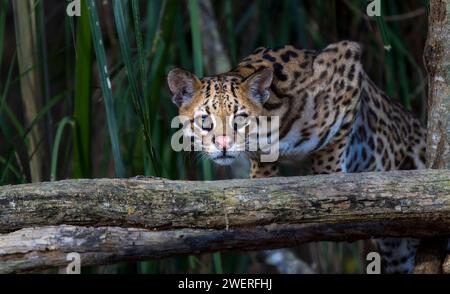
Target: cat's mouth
(223, 158)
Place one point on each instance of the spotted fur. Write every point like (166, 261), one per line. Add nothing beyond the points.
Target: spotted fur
(329, 109)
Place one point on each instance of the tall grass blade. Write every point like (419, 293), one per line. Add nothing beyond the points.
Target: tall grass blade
(284, 29)
(299, 17)
(158, 55)
(55, 149)
(3, 11)
(140, 109)
(140, 46)
(44, 67)
(8, 166)
(426, 3)
(155, 10)
(22, 132)
(82, 98)
(217, 258)
(25, 27)
(7, 84)
(382, 26)
(230, 30)
(196, 37)
(106, 87)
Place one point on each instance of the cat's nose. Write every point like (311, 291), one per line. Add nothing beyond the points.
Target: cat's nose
(223, 142)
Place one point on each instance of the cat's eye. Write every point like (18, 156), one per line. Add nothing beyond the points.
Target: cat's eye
(240, 121)
(204, 122)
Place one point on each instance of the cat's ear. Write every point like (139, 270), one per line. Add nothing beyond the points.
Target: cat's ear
(258, 85)
(183, 86)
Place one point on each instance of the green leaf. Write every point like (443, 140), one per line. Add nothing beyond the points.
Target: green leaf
(82, 100)
(196, 38)
(3, 11)
(106, 87)
(141, 110)
(55, 149)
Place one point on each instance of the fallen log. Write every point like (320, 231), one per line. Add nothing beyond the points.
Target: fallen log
(111, 220)
(421, 198)
(35, 249)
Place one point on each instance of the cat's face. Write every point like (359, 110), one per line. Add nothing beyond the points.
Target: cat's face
(220, 113)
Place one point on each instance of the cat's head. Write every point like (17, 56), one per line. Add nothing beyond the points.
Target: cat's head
(220, 113)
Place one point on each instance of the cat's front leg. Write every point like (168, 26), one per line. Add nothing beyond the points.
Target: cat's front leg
(263, 169)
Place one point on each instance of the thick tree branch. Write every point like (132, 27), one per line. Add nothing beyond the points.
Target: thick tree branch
(437, 56)
(430, 255)
(446, 265)
(414, 196)
(33, 249)
(109, 220)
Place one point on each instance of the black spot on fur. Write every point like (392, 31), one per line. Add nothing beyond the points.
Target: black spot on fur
(272, 106)
(407, 164)
(351, 73)
(278, 70)
(292, 53)
(285, 57)
(304, 65)
(269, 57)
(348, 54)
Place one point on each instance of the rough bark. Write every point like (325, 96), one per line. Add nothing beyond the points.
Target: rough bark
(421, 198)
(26, 39)
(430, 256)
(437, 55)
(109, 220)
(33, 249)
(446, 265)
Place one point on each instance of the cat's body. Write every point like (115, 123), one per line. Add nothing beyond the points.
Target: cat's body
(328, 108)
